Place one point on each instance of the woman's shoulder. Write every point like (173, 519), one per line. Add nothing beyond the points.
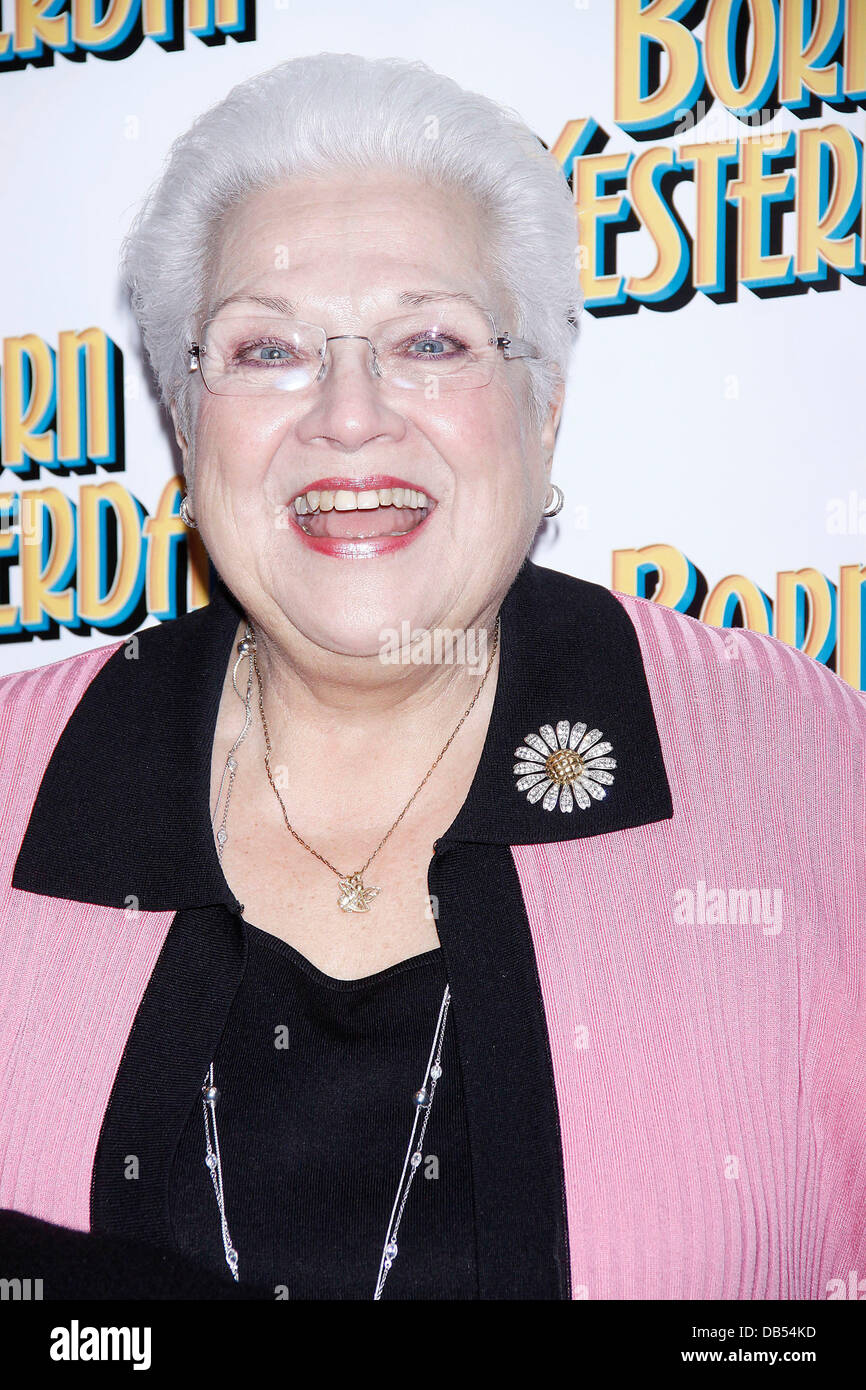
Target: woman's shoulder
(692, 663)
(68, 674)
(35, 707)
(35, 704)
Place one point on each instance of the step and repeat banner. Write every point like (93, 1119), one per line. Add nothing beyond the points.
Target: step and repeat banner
(711, 450)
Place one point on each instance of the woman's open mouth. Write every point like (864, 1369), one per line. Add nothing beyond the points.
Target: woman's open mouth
(344, 514)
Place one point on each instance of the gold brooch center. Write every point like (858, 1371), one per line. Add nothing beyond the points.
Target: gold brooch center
(564, 765)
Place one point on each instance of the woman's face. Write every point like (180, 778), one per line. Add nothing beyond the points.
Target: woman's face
(342, 250)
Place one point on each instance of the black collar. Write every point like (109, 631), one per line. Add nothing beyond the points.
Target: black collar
(122, 812)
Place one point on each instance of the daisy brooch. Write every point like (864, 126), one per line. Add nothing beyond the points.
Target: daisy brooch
(564, 765)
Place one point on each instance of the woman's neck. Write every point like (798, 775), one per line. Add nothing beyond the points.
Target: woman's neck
(347, 702)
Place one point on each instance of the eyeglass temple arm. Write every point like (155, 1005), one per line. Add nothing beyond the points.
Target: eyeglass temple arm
(515, 347)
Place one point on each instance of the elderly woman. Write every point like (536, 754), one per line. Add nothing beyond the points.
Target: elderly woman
(413, 921)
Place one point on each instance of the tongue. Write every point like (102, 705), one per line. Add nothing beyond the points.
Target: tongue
(379, 521)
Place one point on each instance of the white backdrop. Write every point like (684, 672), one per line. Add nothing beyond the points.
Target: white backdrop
(730, 432)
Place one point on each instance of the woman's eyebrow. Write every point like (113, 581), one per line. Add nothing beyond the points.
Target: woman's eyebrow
(413, 298)
(426, 296)
(268, 301)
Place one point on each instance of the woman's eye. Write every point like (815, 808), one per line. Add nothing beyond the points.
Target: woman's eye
(263, 352)
(435, 347)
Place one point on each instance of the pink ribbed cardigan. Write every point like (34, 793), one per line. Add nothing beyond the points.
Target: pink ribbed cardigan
(709, 1064)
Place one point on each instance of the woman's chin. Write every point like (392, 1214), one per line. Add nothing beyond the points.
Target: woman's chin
(395, 641)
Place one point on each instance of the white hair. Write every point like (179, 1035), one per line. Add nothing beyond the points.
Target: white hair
(338, 112)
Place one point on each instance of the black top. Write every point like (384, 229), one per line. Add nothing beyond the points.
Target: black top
(124, 810)
(316, 1077)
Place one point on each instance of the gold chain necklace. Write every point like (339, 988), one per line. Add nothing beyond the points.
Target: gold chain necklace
(354, 896)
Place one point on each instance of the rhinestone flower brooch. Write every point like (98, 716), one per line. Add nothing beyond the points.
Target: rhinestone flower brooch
(564, 765)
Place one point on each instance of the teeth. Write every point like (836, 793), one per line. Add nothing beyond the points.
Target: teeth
(344, 500)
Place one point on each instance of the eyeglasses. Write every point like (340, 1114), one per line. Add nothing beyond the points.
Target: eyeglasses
(435, 348)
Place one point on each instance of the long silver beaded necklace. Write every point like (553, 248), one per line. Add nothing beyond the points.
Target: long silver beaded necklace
(422, 1100)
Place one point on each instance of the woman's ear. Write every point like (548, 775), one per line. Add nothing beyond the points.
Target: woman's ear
(551, 422)
(179, 435)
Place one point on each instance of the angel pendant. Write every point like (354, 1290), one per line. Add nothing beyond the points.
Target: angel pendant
(354, 897)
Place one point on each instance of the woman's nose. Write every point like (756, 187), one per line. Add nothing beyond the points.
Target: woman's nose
(347, 404)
